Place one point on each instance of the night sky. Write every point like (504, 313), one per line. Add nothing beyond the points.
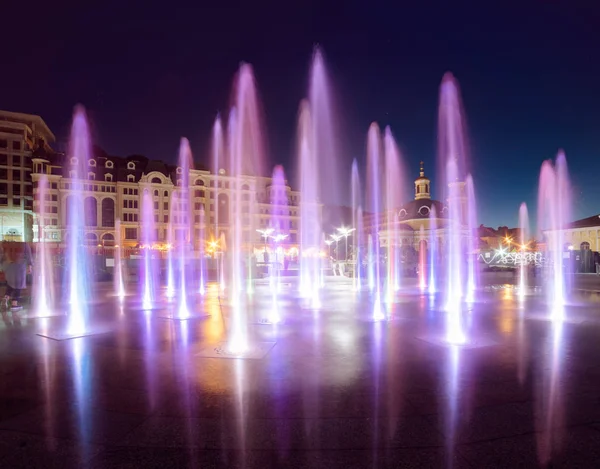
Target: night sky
(150, 73)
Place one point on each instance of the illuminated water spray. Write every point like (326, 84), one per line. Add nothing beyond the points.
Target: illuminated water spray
(393, 180)
(119, 281)
(433, 251)
(524, 237)
(147, 269)
(554, 206)
(357, 223)
(183, 224)
(44, 279)
(78, 272)
(453, 159)
(374, 205)
(246, 158)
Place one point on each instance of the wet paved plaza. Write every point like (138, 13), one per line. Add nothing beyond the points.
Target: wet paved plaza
(336, 389)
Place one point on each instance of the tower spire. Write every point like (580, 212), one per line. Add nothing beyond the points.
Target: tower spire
(422, 185)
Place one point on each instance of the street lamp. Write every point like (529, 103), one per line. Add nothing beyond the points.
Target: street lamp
(336, 238)
(345, 232)
(329, 242)
(266, 233)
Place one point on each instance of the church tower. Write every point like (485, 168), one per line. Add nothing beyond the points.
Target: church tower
(422, 186)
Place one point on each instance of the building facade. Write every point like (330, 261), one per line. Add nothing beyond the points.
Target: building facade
(113, 188)
(21, 135)
(420, 221)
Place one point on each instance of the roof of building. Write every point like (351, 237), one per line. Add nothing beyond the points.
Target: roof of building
(589, 222)
(23, 118)
(421, 208)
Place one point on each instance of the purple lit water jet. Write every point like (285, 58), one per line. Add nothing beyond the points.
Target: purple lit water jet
(374, 205)
(554, 211)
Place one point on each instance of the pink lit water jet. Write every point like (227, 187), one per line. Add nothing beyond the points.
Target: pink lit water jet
(554, 211)
(79, 271)
(119, 281)
(147, 273)
(524, 238)
(374, 206)
(393, 187)
(44, 278)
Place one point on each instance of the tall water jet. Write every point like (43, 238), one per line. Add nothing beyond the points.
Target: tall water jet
(324, 135)
(79, 269)
(554, 209)
(246, 158)
(374, 206)
(183, 231)
(44, 279)
(356, 204)
(148, 274)
(218, 160)
(310, 210)
(472, 280)
(392, 200)
(452, 163)
(118, 277)
(523, 240)
(170, 293)
(433, 250)
(279, 211)
(422, 259)
(202, 253)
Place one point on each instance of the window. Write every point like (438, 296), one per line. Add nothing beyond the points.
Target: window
(245, 187)
(3, 158)
(155, 193)
(130, 178)
(16, 174)
(130, 165)
(135, 204)
(155, 205)
(16, 202)
(73, 161)
(108, 213)
(54, 185)
(16, 190)
(166, 219)
(72, 174)
(91, 211)
(91, 176)
(108, 177)
(130, 233)
(3, 143)
(109, 164)
(16, 160)
(156, 181)
(199, 182)
(166, 194)
(3, 201)
(92, 162)
(166, 206)
(16, 145)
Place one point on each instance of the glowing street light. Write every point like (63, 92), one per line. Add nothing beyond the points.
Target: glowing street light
(266, 233)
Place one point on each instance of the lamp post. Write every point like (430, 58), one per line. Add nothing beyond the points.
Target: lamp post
(345, 232)
(329, 242)
(278, 238)
(336, 238)
(266, 234)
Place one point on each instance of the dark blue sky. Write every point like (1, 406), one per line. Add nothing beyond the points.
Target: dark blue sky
(150, 73)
